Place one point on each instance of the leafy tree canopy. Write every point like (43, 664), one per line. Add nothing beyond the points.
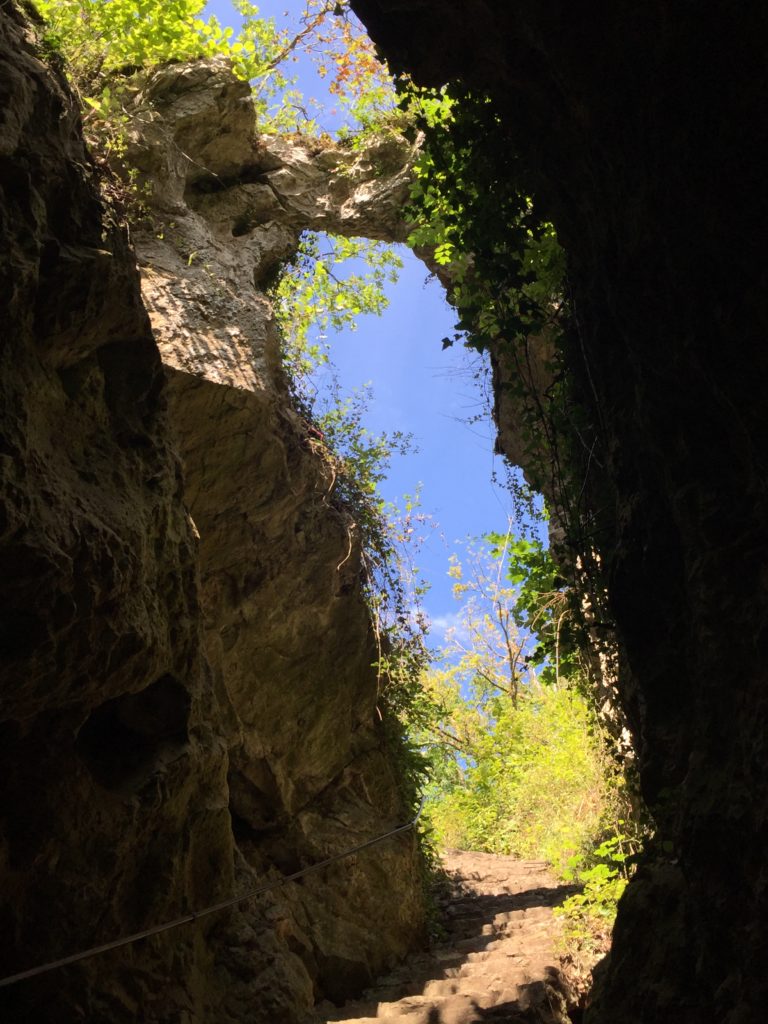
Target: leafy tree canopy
(102, 39)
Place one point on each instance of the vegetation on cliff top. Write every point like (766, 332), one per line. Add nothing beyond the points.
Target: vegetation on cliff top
(102, 42)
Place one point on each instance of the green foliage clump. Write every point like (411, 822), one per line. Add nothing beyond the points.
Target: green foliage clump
(588, 914)
(470, 206)
(520, 763)
(315, 296)
(519, 760)
(102, 41)
(535, 783)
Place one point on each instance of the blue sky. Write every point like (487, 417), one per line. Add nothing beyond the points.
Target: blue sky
(421, 389)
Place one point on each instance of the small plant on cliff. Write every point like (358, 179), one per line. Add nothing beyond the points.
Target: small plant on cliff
(588, 915)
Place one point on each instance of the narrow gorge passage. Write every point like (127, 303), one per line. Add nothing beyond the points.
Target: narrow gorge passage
(195, 700)
(495, 962)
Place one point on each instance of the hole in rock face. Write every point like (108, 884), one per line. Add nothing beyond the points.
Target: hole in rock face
(125, 740)
(242, 226)
(254, 797)
(340, 979)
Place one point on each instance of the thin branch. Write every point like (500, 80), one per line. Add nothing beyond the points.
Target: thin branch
(448, 739)
(309, 28)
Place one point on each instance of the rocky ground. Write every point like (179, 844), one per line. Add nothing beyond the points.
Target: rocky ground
(497, 960)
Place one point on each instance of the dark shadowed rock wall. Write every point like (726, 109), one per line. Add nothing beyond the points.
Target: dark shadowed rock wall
(112, 772)
(187, 709)
(641, 125)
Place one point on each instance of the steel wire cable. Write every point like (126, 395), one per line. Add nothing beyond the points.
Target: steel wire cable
(127, 940)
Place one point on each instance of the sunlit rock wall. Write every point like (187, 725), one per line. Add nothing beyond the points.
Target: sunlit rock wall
(288, 634)
(186, 710)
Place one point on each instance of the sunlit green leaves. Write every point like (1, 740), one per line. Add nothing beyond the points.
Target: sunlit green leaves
(533, 780)
(470, 205)
(98, 36)
(104, 38)
(319, 293)
(101, 39)
(519, 764)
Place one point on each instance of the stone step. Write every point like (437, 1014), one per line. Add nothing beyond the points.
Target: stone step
(504, 963)
(498, 969)
(491, 983)
(456, 1008)
(495, 956)
(509, 968)
(479, 944)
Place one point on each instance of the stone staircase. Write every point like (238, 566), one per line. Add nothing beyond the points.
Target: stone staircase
(497, 961)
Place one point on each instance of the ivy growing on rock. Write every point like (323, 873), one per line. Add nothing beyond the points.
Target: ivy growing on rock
(497, 252)
(470, 206)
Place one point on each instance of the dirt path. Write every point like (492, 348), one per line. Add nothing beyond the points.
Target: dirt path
(496, 963)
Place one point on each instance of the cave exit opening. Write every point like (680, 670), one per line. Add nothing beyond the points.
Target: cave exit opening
(517, 759)
(517, 756)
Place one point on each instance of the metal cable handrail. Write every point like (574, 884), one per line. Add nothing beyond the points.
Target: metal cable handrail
(197, 914)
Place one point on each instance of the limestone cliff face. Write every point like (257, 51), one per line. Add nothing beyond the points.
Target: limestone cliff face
(287, 632)
(186, 709)
(640, 127)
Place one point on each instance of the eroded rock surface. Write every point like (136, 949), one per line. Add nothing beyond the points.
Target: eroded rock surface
(187, 710)
(113, 774)
(288, 634)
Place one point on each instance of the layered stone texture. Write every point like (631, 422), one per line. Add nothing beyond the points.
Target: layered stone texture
(185, 712)
(288, 634)
(640, 127)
